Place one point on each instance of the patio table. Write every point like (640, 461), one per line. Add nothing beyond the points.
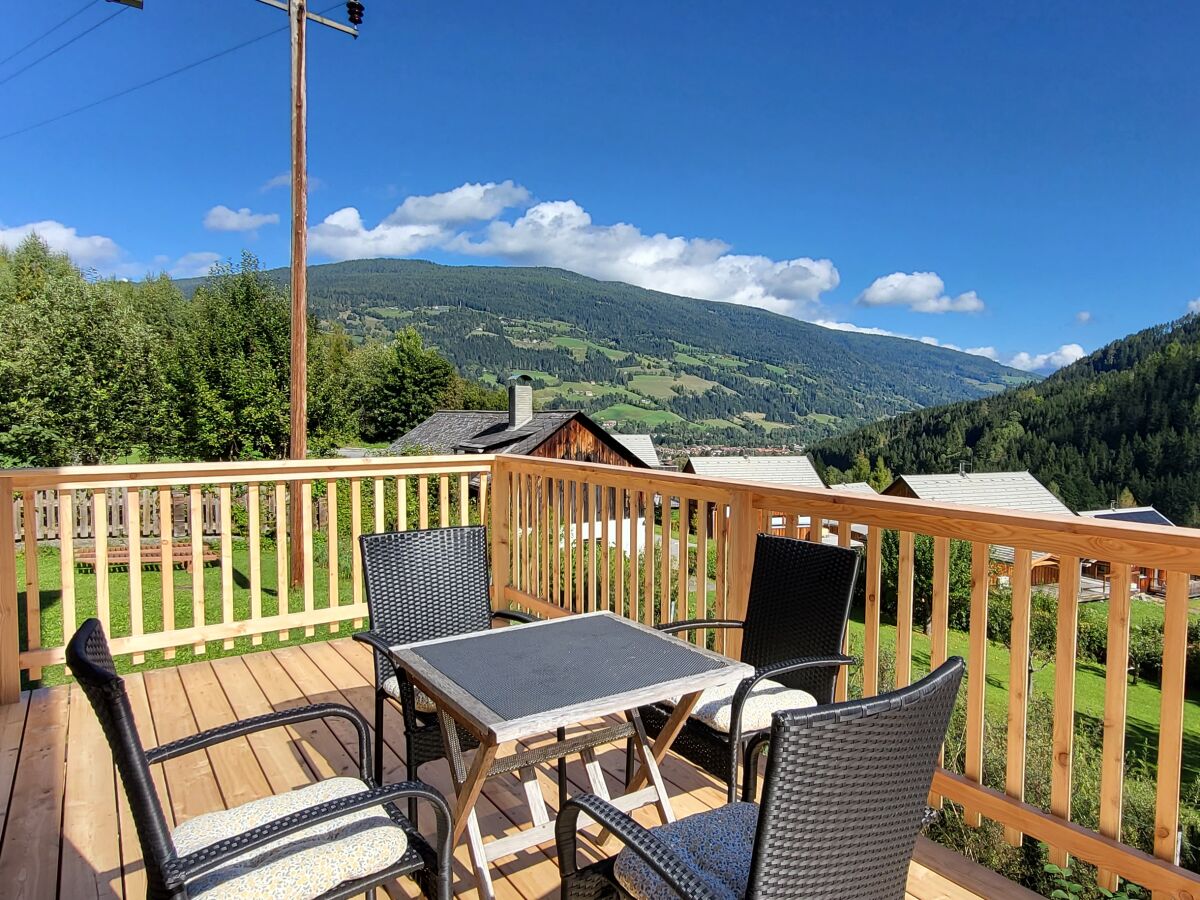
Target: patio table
(523, 681)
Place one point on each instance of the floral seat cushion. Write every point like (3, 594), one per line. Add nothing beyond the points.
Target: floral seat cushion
(304, 864)
(714, 708)
(716, 845)
(391, 687)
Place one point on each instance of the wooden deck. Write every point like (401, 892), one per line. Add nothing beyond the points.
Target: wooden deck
(67, 832)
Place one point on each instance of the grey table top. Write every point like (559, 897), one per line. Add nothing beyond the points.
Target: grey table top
(526, 679)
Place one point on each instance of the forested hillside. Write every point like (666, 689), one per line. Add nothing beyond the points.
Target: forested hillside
(1126, 418)
(646, 360)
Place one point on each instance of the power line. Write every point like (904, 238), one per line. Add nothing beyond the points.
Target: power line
(145, 84)
(49, 31)
(62, 46)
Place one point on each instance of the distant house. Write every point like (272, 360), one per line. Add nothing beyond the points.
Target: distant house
(641, 446)
(1145, 579)
(788, 471)
(521, 431)
(1018, 491)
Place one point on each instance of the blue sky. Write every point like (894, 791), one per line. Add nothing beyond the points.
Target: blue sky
(1019, 178)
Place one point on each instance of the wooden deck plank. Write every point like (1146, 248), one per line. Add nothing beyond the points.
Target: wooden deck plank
(56, 780)
(12, 730)
(29, 857)
(91, 853)
(191, 782)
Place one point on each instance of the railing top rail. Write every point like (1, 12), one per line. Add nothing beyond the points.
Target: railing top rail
(1156, 546)
(258, 470)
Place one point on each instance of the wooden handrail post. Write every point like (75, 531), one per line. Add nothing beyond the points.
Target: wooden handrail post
(740, 563)
(10, 642)
(501, 550)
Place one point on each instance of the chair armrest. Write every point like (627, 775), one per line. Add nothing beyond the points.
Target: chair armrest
(192, 866)
(644, 843)
(742, 694)
(270, 720)
(693, 624)
(513, 616)
(379, 645)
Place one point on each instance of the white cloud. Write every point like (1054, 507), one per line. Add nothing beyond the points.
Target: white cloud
(1083, 317)
(1047, 362)
(87, 251)
(222, 218)
(192, 265)
(1194, 306)
(561, 233)
(466, 203)
(923, 292)
(857, 329)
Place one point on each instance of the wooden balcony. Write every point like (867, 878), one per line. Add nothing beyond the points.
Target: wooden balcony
(70, 833)
(566, 537)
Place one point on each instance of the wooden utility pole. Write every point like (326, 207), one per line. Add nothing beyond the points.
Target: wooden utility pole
(298, 442)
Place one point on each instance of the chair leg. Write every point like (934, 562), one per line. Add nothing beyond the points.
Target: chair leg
(750, 767)
(410, 761)
(379, 704)
(561, 734)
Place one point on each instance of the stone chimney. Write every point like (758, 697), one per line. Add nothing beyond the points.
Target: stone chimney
(520, 400)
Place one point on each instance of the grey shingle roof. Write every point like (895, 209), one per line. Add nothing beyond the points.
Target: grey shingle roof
(1000, 490)
(858, 487)
(482, 431)
(641, 446)
(1144, 515)
(791, 470)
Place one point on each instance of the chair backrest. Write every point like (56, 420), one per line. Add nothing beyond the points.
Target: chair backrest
(91, 663)
(845, 792)
(427, 583)
(799, 601)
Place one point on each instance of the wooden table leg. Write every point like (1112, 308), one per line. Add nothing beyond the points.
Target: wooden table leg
(467, 784)
(666, 737)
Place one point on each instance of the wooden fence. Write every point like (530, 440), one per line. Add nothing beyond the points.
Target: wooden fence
(568, 537)
(542, 507)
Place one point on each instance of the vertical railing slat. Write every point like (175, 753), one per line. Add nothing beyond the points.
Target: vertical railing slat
(1063, 739)
(701, 568)
(904, 611)
(874, 575)
(1116, 691)
(605, 551)
(443, 501)
(225, 499)
(306, 548)
(33, 594)
(1170, 729)
(331, 547)
(422, 501)
(1018, 684)
(681, 586)
(464, 497)
(356, 563)
(401, 503)
(196, 534)
(166, 552)
(647, 558)
(100, 518)
(379, 508)
(841, 687)
(619, 550)
(939, 625)
(556, 588)
(254, 553)
(577, 500)
(133, 522)
(664, 587)
(282, 583)
(977, 672)
(10, 626)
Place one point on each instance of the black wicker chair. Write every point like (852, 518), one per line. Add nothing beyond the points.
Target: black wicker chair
(260, 844)
(422, 584)
(796, 614)
(842, 805)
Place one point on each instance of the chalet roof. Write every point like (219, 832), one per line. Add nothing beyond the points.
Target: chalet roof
(858, 487)
(1000, 490)
(798, 471)
(641, 446)
(1143, 515)
(487, 431)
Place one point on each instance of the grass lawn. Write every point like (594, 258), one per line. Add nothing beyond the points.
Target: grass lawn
(625, 412)
(1141, 737)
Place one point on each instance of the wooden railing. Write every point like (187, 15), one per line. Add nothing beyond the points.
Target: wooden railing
(184, 589)
(571, 537)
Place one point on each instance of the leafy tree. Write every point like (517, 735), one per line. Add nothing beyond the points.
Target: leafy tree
(881, 476)
(960, 578)
(408, 383)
